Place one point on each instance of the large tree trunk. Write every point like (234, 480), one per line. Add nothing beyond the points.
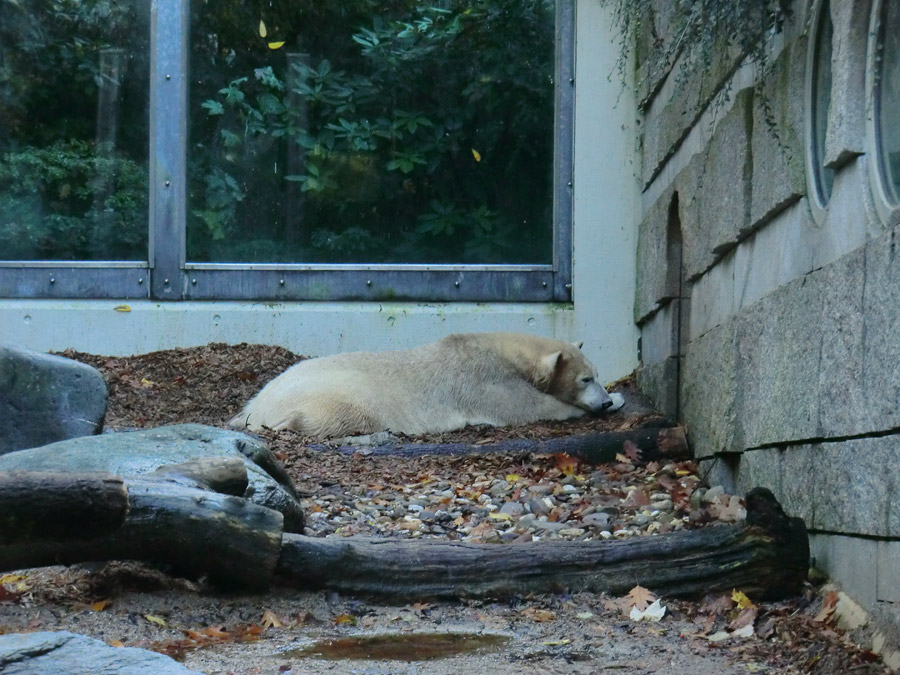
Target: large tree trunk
(767, 557)
(596, 448)
(233, 541)
(61, 506)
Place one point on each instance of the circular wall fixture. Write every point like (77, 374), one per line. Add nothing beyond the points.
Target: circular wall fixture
(883, 106)
(819, 178)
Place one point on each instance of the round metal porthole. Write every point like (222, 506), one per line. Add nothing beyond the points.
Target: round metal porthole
(820, 178)
(883, 105)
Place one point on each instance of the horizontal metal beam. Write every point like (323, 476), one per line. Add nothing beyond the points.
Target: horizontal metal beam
(69, 281)
(397, 284)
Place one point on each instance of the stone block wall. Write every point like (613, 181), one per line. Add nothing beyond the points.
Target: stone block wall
(770, 328)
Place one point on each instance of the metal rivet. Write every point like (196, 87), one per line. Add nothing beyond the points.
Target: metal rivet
(193, 282)
(456, 283)
(571, 80)
(168, 77)
(52, 280)
(165, 282)
(140, 280)
(544, 284)
(569, 183)
(168, 183)
(281, 282)
(368, 282)
(568, 287)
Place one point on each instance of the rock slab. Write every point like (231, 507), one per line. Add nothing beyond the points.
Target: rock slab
(51, 653)
(46, 398)
(137, 453)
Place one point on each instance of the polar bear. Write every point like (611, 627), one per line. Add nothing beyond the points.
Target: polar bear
(472, 378)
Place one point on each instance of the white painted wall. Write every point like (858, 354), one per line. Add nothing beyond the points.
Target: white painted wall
(606, 197)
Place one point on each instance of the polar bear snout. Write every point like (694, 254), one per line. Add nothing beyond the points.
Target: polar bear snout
(594, 398)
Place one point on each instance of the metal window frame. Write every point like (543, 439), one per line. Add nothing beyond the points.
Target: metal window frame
(168, 276)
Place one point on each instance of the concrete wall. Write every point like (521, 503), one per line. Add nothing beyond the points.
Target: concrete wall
(768, 327)
(607, 200)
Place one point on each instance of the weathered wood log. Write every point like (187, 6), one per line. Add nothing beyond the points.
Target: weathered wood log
(60, 506)
(766, 560)
(225, 475)
(596, 448)
(233, 541)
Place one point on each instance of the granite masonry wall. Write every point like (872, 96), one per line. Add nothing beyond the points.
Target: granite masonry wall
(770, 326)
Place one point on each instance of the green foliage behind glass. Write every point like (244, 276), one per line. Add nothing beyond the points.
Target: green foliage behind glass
(405, 132)
(64, 194)
(65, 202)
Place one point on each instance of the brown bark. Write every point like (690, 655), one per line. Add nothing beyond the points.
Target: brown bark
(596, 448)
(233, 541)
(54, 505)
(763, 559)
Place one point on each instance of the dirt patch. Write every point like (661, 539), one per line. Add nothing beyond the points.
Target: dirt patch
(135, 605)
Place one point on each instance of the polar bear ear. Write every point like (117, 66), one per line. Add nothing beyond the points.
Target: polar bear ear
(547, 368)
(579, 344)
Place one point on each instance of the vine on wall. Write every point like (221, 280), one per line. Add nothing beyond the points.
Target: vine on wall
(658, 32)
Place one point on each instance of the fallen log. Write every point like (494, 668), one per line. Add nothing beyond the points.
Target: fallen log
(61, 506)
(232, 540)
(595, 448)
(767, 558)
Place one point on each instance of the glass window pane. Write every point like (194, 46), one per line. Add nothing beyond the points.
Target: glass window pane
(821, 102)
(372, 132)
(73, 129)
(888, 99)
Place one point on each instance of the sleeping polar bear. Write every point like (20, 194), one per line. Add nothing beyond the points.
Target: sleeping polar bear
(474, 378)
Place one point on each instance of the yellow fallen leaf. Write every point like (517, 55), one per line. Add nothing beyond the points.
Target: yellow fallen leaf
(262, 29)
(741, 600)
(158, 620)
(116, 643)
(11, 578)
(276, 45)
(147, 383)
(271, 620)
(476, 155)
(556, 643)
(539, 615)
(345, 620)
(122, 308)
(100, 605)
(496, 515)
(513, 478)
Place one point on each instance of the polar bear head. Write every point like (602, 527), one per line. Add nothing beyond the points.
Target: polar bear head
(570, 377)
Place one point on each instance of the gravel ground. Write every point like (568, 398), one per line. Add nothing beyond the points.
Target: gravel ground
(484, 497)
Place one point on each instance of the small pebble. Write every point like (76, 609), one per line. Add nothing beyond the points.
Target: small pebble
(514, 509)
(571, 532)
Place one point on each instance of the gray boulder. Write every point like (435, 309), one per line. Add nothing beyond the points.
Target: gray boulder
(49, 653)
(137, 453)
(46, 398)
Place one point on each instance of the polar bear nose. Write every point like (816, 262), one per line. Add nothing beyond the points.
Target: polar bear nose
(606, 404)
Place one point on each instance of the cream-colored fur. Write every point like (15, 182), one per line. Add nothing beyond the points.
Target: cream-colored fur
(473, 378)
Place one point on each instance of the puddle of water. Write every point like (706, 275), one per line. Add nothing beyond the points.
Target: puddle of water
(400, 647)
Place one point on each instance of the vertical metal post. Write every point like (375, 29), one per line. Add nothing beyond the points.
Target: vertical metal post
(564, 147)
(169, 25)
